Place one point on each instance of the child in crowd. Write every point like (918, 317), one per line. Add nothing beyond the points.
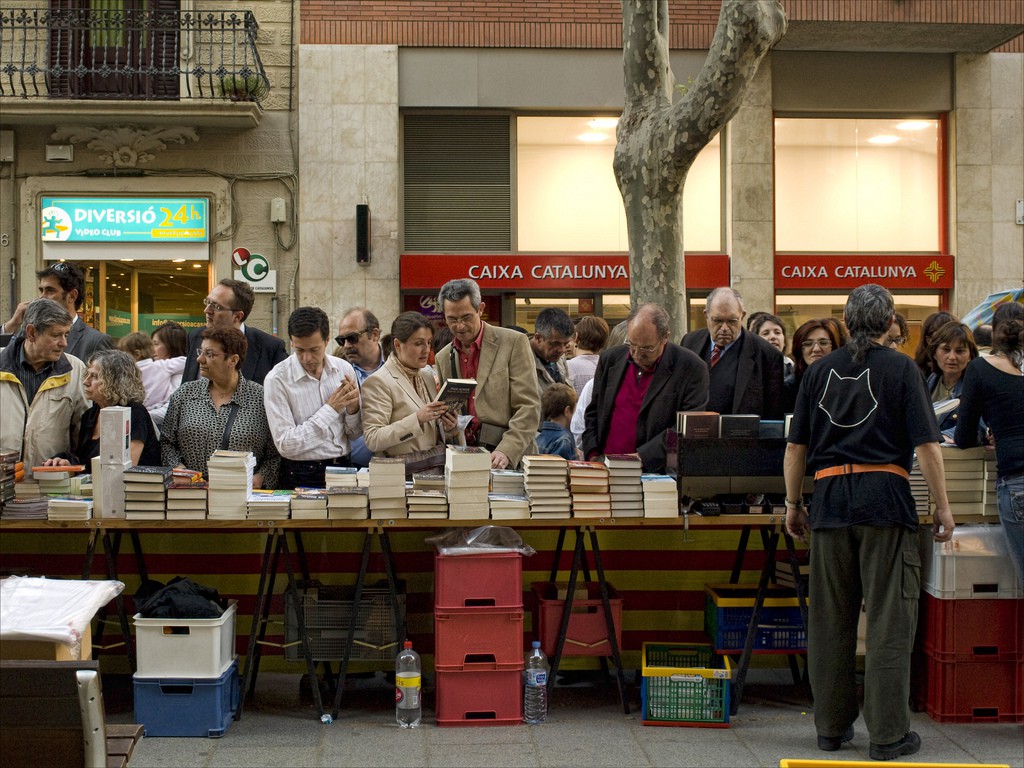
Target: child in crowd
(556, 407)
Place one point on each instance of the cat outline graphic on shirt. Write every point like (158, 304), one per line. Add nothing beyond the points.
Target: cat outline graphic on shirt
(847, 397)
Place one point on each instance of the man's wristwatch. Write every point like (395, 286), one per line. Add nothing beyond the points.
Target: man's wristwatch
(798, 503)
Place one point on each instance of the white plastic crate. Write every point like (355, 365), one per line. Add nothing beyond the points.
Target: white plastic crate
(975, 564)
(201, 648)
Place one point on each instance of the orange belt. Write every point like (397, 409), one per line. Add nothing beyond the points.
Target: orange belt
(855, 469)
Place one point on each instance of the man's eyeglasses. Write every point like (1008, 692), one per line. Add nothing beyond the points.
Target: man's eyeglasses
(811, 344)
(464, 320)
(645, 350)
(351, 338)
(213, 306)
(209, 354)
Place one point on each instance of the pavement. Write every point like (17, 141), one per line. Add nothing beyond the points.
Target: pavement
(585, 727)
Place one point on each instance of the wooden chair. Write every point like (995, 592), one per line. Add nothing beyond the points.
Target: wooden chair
(52, 712)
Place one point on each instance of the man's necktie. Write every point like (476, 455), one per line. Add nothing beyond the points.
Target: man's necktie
(716, 355)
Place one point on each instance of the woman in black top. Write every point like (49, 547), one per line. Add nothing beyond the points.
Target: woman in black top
(993, 387)
(113, 379)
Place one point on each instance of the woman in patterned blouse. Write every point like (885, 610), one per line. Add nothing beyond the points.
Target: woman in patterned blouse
(222, 410)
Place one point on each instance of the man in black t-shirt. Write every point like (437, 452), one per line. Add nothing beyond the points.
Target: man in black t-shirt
(860, 414)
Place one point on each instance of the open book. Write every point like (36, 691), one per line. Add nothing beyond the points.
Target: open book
(456, 393)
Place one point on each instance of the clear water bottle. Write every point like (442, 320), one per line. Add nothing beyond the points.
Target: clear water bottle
(408, 706)
(535, 686)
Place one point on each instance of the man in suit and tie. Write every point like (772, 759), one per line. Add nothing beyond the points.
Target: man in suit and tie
(746, 371)
(229, 304)
(638, 388)
(64, 282)
(505, 405)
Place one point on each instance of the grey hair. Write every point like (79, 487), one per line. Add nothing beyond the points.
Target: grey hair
(618, 334)
(656, 314)
(868, 314)
(715, 293)
(553, 319)
(42, 314)
(370, 321)
(120, 380)
(457, 290)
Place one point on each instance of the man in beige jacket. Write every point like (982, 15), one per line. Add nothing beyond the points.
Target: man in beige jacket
(42, 398)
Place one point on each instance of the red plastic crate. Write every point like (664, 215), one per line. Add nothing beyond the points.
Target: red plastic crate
(972, 630)
(477, 635)
(587, 634)
(480, 694)
(975, 691)
(490, 580)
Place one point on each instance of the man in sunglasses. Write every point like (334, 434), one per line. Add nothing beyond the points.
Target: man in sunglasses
(64, 282)
(358, 342)
(228, 305)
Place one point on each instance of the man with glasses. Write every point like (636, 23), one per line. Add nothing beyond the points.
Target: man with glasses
(552, 332)
(42, 395)
(358, 342)
(228, 305)
(64, 282)
(505, 405)
(638, 388)
(746, 372)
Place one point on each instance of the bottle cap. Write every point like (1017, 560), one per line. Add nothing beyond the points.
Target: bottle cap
(536, 643)
(407, 644)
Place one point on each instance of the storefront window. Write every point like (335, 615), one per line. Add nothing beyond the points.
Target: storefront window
(143, 295)
(567, 199)
(857, 185)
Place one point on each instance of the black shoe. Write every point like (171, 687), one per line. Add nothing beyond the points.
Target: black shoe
(908, 745)
(832, 743)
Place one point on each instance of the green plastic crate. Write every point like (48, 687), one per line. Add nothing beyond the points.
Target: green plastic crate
(685, 684)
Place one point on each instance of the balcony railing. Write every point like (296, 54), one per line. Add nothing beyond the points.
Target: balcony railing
(130, 55)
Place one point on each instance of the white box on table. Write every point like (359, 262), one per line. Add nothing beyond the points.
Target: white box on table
(115, 435)
(108, 489)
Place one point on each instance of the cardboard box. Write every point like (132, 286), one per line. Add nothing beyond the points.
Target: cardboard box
(45, 651)
(115, 435)
(108, 491)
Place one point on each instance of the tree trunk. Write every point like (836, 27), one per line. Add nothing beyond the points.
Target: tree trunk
(657, 141)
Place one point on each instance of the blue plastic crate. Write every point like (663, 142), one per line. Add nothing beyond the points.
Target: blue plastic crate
(190, 706)
(727, 612)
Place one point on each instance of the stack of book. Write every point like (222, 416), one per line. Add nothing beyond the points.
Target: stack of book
(25, 508)
(344, 503)
(467, 481)
(739, 425)
(661, 498)
(547, 487)
(268, 505)
(427, 505)
(186, 495)
(965, 480)
(991, 496)
(387, 488)
(588, 484)
(697, 425)
(55, 481)
(508, 481)
(624, 471)
(340, 477)
(509, 506)
(428, 481)
(10, 466)
(919, 490)
(230, 478)
(29, 489)
(309, 504)
(69, 508)
(145, 492)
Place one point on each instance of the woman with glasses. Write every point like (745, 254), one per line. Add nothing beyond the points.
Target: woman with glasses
(113, 379)
(951, 348)
(220, 410)
(811, 342)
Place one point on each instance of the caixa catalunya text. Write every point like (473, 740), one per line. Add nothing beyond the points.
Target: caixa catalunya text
(550, 272)
(854, 271)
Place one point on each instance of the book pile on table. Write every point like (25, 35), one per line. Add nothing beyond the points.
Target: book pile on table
(661, 498)
(919, 490)
(348, 502)
(26, 489)
(387, 488)
(624, 471)
(588, 484)
(268, 505)
(341, 477)
(965, 480)
(10, 468)
(186, 495)
(427, 504)
(428, 481)
(56, 481)
(25, 508)
(547, 486)
(230, 479)
(508, 481)
(467, 481)
(145, 492)
(69, 508)
(991, 496)
(309, 504)
(508, 500)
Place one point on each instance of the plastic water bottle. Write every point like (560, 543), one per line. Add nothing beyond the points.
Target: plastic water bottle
(535, 686)
(408, 706)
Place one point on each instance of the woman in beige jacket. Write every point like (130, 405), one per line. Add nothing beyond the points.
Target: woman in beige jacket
(399, 412)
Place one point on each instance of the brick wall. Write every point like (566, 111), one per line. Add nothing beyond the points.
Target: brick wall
(596, 23)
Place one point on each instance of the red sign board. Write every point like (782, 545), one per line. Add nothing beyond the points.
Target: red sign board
(515, 272)
(845, 272)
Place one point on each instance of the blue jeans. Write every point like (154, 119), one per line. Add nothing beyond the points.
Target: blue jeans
(1011, 511)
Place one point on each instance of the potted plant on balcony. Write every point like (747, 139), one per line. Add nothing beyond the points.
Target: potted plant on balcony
(242, 87)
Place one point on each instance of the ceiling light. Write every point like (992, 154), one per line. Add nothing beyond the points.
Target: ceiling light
(592, 137)
(197, 266)
(914, 125)
(127, 259)
(883, 139)
(603, 123)
(177, 261)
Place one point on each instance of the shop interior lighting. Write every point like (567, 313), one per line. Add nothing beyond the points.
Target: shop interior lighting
(603, 123)
(884, 138)
(914, 125)
(592, 137)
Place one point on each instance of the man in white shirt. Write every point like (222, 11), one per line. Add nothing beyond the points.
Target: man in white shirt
(312, 402)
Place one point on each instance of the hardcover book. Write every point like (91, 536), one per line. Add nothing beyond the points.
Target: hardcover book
(455, 393)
